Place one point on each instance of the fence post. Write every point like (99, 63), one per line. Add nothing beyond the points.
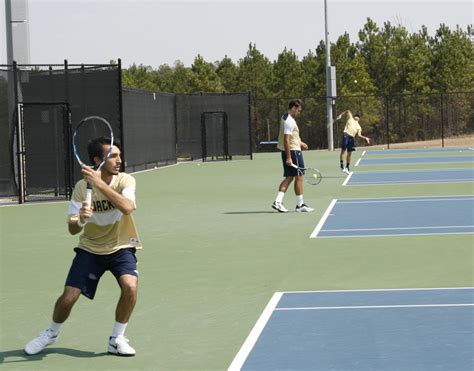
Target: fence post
(442, 119)
(387, 127)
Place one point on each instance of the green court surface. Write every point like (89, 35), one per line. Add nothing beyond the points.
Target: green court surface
(214, 254)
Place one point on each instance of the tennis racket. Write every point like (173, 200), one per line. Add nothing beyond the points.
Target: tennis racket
(311, 176)
(88, 129)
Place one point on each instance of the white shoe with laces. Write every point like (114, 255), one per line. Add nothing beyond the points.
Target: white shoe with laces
(42, 341)
(119, 346)
(346, 170)
(278, 206)
(304, 209)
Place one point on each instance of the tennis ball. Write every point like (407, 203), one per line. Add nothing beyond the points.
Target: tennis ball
(198, 164)
(315, 175)
(355, 81)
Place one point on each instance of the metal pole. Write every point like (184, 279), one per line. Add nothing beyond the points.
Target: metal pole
(9, 41)
(328, 83)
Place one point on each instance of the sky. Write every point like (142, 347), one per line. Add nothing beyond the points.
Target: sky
(157, 32)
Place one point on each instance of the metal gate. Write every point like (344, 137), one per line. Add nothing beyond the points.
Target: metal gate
(43, 151)
(214, 136)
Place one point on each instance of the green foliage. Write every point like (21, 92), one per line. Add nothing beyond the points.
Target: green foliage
(384, 60)
(204, 77)
(255, 74)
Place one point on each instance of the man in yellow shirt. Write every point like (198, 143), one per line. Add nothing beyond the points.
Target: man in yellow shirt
(290, 145)
(351, 130)
(108, 243)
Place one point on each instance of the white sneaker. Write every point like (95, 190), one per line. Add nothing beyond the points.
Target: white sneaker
(42, 341)
(119, 346)
(304, 209)
(346, 170)
(279, 207)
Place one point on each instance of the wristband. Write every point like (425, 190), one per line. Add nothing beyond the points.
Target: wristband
(79, 224)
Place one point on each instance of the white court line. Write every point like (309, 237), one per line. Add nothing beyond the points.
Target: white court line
(394, 229)
(323, 219)
(249, 343)
(397, 235)
(155, 168)
(372, 201)
(425, 181)
(377, 306)
(363, 153)
(357, 163)
(347, 178)
(378, 290)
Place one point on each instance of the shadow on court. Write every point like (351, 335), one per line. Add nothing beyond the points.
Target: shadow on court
(19, 353)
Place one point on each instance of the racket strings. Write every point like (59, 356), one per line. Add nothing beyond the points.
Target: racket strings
(89, 129)
(313, 176)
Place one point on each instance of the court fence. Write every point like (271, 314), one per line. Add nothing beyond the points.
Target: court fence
(41, 104)
(386, 119)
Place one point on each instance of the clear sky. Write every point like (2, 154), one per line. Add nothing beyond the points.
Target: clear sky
(156, 32)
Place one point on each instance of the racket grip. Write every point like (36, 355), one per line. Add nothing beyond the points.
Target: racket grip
(295, 166)
(88, 196)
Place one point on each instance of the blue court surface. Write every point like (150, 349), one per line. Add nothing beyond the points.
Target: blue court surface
(414, 160)
(411, 176)
(397, 217)
(402, 329)
(395, 152)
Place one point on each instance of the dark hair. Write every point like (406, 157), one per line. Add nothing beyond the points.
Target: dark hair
(357, 115)
(295, 103)
(95, 147)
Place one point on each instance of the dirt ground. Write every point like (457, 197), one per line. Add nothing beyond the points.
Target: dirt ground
(458, 141)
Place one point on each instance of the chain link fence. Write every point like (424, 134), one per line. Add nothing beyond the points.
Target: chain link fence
(386, 119)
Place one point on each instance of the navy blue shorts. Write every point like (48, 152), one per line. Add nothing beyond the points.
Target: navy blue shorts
(348, 143)
(297, 159)
(87, 268)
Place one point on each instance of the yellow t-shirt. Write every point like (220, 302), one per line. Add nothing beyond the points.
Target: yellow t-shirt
(108, 230)
(288, 126)
(352, 126)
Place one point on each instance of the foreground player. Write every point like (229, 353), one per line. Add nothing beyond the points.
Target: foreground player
(108, 243)
(290, 145)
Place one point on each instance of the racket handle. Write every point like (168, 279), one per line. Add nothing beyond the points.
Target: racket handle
(295, 166)
(88, 196)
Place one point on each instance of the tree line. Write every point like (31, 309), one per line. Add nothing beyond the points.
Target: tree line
(385, 60)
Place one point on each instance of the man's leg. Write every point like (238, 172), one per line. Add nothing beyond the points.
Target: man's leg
(62, 310)
(299, 186)
(300, 205)
(64, 304)
(278, 203)
(128, 297)
(341, 158)
(118, 343)
(348, 160)
(285, 184)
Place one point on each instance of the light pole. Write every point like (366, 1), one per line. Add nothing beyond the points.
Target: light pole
(330, 83)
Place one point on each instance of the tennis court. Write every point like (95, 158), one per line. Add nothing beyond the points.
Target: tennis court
(411, 177)
(396, 152)
(397, 216)
(414, 329)
(383, 161)
(214, 254)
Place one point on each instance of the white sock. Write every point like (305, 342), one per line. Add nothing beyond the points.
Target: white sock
(54, 327)
(279, 197)
(119, 329)
(299, 200)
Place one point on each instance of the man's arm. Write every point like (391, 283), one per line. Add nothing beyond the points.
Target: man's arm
(84, 214)
(286, 140)
(125, 205)
(359, 134)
